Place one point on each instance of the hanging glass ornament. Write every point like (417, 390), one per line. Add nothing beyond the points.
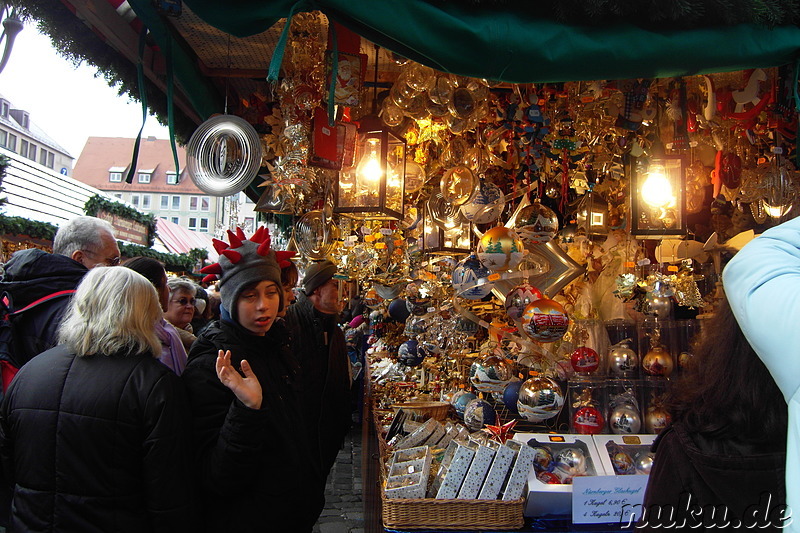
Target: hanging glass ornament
(540, 399)
(486, 205)
(536, 224)
(490, 373)
(545, 320)
(470, 279)
(500, 249)
(479, 413)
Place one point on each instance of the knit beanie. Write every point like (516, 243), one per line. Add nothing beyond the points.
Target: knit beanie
(244, 262)
(317, 275)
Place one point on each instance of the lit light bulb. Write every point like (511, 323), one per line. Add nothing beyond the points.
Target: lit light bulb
(369, 168)
(656, 189)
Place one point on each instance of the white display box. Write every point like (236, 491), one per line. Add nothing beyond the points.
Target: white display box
(419, 435)
(408, 473)
(556, 499)
(455, 464)
(501, 465)
(635, 447)
(477, 473)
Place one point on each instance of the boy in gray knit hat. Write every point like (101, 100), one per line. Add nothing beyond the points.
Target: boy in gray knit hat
(254, 460)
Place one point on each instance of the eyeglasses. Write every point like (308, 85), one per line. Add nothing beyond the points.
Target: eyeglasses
(109, 261)
(184, 301)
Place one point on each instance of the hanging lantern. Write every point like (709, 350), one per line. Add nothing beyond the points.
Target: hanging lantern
(445, 237)
(658, 206)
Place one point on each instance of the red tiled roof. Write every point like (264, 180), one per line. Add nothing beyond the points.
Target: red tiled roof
(178, 239)
(102, 153)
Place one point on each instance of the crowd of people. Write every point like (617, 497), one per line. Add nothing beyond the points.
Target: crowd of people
(144, 402)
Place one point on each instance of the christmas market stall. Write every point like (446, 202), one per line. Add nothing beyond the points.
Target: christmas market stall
(534, 203)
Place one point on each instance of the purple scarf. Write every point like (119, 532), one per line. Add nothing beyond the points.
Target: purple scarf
(173, 354)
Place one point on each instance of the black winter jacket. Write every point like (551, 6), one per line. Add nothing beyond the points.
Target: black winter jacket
(97, 444)
(256, 467)
(320, 346)
(30, 275)
(747, 479)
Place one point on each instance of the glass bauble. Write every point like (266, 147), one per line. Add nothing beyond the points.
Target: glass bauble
(536, 224)
(622, 361)
(486, 205)
(584, 360)
(408, 353)
(500, 249)
(545, 320)
(540, 399)
(458, 185)
(656, 419)
(623, 464)
(470, 279)
(511, 395)
(658, 362)
(460, 401)
(479, 413)
(542, 456)
(625, 419)
(490, 373)
(518, 299)
(644, 462)
(588, 421)
(571, 460)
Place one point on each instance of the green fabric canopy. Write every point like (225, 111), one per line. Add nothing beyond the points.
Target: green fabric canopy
(519, 46)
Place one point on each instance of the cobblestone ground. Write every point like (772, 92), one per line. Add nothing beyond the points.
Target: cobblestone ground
(344, 505)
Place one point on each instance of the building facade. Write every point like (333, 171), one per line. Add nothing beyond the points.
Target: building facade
(156, 188)
(20, 135)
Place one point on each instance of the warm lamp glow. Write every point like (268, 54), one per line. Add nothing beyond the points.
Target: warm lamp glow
(369, 168)
(657, 190)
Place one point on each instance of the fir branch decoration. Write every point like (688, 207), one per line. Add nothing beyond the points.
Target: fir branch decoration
(24, 226)
(98, 203)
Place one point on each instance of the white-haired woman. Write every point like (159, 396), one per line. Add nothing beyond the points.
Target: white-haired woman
(95, 433)
(180, 308)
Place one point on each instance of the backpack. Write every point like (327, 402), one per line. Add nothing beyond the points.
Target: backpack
(9, 366)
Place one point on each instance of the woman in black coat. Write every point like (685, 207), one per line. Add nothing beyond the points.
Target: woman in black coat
(94, 433)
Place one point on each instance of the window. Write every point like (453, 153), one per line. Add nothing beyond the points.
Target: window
(176, 203)
(32, 152)
(51, 160)
(192, 223)
(3, 137)
(172, 178)
(248, 224)
(43, 157)
(135, 200)
(193, 201)
(145, 201)
(144, 177)
(12, 142)
(164, 203)
(176, 220)
(204, 225)
(5, 107)
(118, 195)
(23, 148)
(115, 177)
(205, 203)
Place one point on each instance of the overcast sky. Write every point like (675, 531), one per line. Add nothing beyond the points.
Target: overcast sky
(70, 104)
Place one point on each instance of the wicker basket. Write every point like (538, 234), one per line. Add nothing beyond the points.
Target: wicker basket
(423, 410)
(430, 513)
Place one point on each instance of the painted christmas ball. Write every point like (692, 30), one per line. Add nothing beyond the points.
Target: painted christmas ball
(549, 478)
(622, 361)
(490, 373)
(536, 224)
(545, 320)
(625, 419)
(470, 279)
(588, 421)
(511, 395)
(571, 460)
(656, 420)
(409, 354)
(398, 309)
(623, 464)
(644, 462)
(486, 205)
(479, 413)
(457, 185)
(540, 399)
(519, 298)
(542, 456)
(460, 401)
(658, 362)
(584, 360)
(500, 249)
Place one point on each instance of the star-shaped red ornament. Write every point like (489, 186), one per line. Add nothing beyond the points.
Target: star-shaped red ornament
(501, 433)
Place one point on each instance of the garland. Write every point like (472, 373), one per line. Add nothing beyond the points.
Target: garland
(98, 203)
(23, 226)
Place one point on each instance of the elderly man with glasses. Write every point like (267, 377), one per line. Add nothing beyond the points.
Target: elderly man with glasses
(34, 275)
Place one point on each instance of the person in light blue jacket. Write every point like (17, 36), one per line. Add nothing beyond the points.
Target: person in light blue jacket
(762, 283)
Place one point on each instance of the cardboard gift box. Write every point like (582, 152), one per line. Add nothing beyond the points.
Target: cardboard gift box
(501, 465)
(408, 473)
(473, 481)
(556, 498)
(452, 470)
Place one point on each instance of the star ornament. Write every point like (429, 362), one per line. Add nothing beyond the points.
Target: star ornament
(501, 433)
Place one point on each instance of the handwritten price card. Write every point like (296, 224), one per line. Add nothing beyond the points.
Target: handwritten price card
(607, 499)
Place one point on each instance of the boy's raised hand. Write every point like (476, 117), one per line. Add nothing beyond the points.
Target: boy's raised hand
(247, 389)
